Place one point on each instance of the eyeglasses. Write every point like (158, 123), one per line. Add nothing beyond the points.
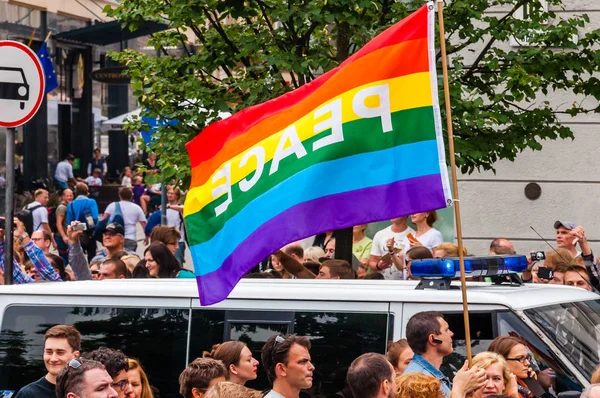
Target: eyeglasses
(278, 340)
(121, 384)
(523, 360)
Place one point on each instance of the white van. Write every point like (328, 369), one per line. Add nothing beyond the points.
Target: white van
(162, 323)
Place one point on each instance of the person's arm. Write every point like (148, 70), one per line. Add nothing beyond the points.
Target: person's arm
(467, 380)
(104, 168)
(294, 267)
(94, 207)
(19, 277)
(77, 258)
(60, 219)
(178, 208)
(35, 254)
(588, 257)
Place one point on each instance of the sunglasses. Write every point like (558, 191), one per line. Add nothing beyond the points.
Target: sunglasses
(278, 340)
(73, 364)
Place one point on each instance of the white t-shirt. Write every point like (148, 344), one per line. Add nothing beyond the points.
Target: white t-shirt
(429, 239)
(379, 248)
(132, 214)
(64, 171)
(40, 215)
(126, 181)
(93, 181)
(175, 219)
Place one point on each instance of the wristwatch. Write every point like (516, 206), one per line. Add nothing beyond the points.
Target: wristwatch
(22, 237)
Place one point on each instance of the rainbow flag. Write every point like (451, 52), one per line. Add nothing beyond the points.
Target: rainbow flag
(361, 143)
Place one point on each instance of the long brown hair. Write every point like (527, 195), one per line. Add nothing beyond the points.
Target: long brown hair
(503, 344)
(146, 390)
(228, 352)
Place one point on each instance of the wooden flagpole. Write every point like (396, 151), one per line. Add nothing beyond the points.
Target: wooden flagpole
(31, 38)
(48, 36)
(454, 178)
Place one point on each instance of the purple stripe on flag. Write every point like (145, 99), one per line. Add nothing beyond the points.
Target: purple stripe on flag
(372, 204)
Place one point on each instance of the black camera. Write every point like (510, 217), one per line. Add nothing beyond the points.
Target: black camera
(545, 273)
(538, 256)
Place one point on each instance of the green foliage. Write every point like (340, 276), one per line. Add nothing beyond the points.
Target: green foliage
(247, 52)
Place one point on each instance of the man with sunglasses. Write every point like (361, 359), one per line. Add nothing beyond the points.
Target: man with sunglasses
(288, 365)
(116, 365)
(61, 344)
(84, 379)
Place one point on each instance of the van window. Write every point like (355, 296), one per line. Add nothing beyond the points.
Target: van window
(481, 325)
(155, 336)
(545, 360)
(336, 338)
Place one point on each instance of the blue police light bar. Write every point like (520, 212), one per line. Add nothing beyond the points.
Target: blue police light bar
(449, 267)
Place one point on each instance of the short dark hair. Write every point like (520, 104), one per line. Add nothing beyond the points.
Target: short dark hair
(294, 248)
(498, 248)
(420, 326)
(125, 193)
(47, 235)
(274, 351)
(120, 267)
(199, 374)
(81, 188)
(70, 157)
(59, 265)
(71, 379)
(339, 268)
(67, 332)
(165, 234)
(113, 360)
(419, 253)
(366, 374)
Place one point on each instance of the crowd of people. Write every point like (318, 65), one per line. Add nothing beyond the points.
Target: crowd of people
(74, 228)
(409, 369)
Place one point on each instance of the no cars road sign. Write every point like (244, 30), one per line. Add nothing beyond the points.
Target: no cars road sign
(21, 83)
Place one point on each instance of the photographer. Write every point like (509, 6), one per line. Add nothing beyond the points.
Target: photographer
(35, 254)
(550, 261)
(568, 236)
(77, 258)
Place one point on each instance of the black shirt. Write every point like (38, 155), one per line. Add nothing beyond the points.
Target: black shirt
(38, 389)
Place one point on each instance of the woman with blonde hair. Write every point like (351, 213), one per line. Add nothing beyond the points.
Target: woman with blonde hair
(499, 380)
(227, 389)
(447, 249)
(138, 379)
(238, 360)
(314, 253)
(418, 385)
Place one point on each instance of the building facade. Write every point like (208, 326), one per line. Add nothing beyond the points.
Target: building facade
(562, 180)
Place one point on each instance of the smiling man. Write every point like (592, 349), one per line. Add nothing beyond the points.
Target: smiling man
(288, 365)
(61, 344)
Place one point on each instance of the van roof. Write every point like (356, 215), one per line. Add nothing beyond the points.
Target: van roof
(518, 298)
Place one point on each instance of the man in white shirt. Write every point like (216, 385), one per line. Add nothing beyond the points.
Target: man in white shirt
(64, 172)
(288, 365)
(132, 214)
(40, 212)
(398, 231)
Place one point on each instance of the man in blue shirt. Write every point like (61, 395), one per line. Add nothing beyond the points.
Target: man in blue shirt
(430, 338)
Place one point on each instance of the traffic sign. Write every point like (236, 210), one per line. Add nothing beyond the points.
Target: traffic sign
(21, 83)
